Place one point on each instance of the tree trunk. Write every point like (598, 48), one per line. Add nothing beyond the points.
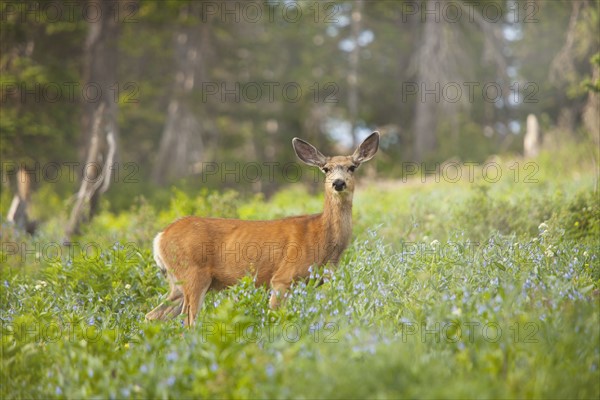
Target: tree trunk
(181, 144)
(425, 122)
(591, 117)
(355, 26)
(99, 122)
(440, 59)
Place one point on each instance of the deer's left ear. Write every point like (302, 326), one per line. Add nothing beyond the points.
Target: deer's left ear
(367, 148)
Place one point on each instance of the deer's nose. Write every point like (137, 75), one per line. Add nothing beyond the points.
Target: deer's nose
(339, 185)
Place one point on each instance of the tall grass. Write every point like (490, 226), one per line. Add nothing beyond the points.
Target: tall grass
(466, 289)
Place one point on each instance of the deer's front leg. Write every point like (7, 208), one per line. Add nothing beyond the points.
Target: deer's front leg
(279, 289)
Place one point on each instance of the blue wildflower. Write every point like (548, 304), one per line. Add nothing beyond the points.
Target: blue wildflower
(172, 356)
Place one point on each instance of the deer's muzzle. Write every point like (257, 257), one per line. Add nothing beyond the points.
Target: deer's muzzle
(339, 185)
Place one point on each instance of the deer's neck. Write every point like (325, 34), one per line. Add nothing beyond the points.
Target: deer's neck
(337, 221)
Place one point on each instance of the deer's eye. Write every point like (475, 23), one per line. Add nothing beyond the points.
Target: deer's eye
(325, 169)
(352, 168)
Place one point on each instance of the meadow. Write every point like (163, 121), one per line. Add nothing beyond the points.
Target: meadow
(478, 287)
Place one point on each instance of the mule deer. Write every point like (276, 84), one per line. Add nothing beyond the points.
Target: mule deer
(197, 254)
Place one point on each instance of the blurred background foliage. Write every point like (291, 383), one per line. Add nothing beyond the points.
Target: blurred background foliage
(216, 82)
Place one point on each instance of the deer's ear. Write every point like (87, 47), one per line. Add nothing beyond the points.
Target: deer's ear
(367, 148)
(308, 153)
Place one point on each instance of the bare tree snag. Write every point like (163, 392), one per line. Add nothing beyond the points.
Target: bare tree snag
(17, 213)
(533, 139)
(98, 181)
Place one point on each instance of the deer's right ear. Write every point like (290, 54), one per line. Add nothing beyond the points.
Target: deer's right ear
(308, 153)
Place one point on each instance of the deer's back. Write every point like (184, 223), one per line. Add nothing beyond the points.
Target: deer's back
(231, 248)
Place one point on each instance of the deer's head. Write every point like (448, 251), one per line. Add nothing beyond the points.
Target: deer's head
(338, 170)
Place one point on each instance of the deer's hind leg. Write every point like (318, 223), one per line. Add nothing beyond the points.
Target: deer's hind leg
(194, 291)
(171, 307)
(173, 304)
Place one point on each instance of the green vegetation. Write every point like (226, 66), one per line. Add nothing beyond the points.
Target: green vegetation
(45, 66)
(466, 289)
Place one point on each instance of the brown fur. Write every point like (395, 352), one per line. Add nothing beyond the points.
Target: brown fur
(198, 254)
